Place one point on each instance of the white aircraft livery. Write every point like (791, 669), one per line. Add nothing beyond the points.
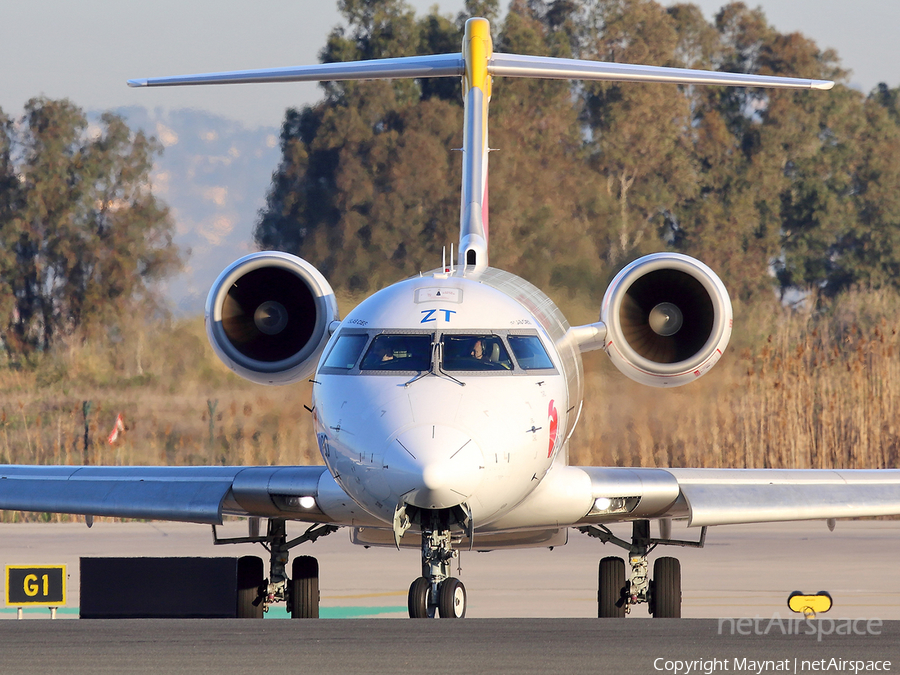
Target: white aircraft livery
(444, 403)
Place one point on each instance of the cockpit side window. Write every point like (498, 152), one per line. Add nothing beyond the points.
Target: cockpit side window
(346, 351)
(475, 352)
(398, 352)
(529, 351)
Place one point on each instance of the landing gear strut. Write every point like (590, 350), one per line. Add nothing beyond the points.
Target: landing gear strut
(436, 591)
(301, 592)
(662, 593)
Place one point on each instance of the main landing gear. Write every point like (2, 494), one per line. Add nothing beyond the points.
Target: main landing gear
(661, 592)
(436, 592)
(300, 591)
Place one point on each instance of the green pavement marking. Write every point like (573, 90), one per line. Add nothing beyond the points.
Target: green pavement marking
(32, 610)
(353, 612)
(342, 612)
(324, 612)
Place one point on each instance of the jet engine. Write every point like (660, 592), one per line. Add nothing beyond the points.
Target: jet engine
(268, 317)
(668, 319)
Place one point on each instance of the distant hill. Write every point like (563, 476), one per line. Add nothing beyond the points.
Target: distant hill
(213, 174)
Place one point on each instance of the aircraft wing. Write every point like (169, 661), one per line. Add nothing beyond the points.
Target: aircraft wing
(732, 496)
(200, 494)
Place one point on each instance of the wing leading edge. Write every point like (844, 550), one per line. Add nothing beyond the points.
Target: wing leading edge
(736, 496)
(702, 496)
(200, 494)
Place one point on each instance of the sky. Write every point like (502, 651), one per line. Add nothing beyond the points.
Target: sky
(86, 50)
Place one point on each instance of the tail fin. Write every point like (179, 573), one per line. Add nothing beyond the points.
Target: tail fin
(473, 216)
(477, 64)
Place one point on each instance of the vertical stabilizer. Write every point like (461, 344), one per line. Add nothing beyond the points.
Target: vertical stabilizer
(473, 219)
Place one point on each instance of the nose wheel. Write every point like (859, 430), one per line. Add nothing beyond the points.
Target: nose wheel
(448, 603)
(436, 593)
(452, 603)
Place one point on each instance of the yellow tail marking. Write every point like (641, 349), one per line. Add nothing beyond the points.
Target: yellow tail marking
(477, 51)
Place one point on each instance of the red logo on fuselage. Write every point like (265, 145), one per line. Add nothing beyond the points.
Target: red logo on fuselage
(554, 423)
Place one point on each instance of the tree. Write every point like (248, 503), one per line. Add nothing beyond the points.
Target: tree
(541, 198)
(366, 183)
(639, 131)
(776, 189)
(82, 235)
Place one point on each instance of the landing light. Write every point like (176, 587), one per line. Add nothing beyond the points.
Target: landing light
(612, 505)
(293, 502)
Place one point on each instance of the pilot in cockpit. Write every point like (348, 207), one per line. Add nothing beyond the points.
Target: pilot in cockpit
(478, 350)
(383, 351)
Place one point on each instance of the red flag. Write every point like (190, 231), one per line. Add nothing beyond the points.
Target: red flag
(117, 429)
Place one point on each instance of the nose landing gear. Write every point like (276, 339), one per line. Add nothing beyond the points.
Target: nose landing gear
(436, 592)
(616, 595)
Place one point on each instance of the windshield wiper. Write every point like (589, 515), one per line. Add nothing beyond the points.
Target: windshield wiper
(437, 357)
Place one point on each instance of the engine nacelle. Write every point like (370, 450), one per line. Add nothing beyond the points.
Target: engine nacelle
(668, 319)
(268, 316)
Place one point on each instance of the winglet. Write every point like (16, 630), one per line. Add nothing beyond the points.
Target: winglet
(137, 83)
(824, 85)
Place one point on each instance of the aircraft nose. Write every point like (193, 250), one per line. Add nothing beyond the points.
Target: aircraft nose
(434, 466)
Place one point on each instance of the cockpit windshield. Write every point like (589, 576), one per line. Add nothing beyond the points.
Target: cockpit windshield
(398, 352)
(474, 352)
(495, 352)
(530, 353)
(346, 351)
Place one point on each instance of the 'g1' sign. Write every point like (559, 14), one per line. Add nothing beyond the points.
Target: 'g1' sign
(35, 585)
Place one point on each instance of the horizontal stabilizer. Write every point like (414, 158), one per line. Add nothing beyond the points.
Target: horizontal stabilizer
(507, 65)
(435, 65)
(517, 65)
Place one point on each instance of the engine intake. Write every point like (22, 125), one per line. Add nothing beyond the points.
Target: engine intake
(267, 317)
(668, 319)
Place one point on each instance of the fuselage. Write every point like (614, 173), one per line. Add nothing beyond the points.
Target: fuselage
(445, 390)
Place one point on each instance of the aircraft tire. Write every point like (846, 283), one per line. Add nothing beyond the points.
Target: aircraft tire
(452, 602)
(610, 593)
(419, 597)
(250, 578)
(305, 588)
(666, 596)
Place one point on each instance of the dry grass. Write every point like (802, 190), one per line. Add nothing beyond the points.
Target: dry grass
(795, 390)
(815, 391)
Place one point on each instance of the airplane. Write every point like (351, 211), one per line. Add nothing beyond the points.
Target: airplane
(445, 402)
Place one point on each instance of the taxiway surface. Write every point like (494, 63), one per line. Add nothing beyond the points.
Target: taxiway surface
(373, 647)
(744, 571)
